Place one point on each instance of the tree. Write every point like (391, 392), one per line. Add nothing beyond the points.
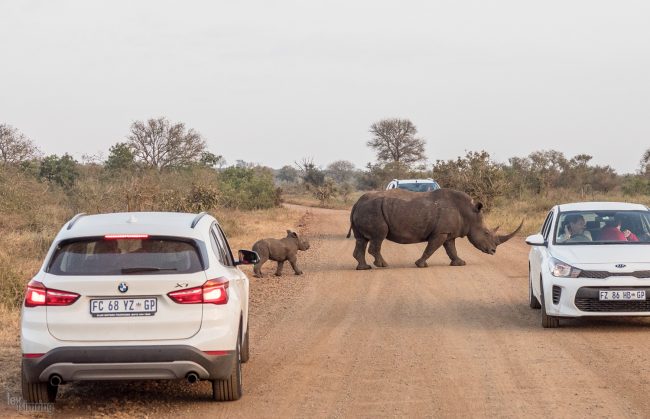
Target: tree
(120, 157)
(60, 170)
(311, 175)
(15, 148)
(394, 140)
(287, 174)
(547, 167)
(475, 173)
(212, 160)
(341, 171)
(160, 144)
(645, 163)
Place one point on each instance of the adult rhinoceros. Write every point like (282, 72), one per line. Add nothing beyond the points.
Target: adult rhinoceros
(438, 218)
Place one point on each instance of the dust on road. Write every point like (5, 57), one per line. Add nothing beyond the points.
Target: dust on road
(402, 341)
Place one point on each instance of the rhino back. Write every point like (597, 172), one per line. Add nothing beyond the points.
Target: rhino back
(412, 217)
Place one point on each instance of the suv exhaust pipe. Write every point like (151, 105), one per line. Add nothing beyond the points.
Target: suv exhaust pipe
(55, 380)
(192, 377)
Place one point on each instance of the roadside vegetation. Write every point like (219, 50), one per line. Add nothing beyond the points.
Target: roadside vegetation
(165, 166)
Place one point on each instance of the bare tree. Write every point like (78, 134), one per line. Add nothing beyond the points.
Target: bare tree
(645, 163)
(15, 148)
(159, 143)
(394, 140)
(309, 172)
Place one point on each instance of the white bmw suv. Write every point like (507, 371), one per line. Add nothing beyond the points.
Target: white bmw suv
(591, 259)
(147, 295)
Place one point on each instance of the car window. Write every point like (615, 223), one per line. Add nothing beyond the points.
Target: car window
(100, 256)
(546, 227)
(220, 246)
(226, 245)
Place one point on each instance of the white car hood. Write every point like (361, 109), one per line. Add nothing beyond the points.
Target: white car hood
(602, 254)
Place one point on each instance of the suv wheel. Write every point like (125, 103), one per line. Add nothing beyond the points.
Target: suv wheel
(37, 392)
(230, 389)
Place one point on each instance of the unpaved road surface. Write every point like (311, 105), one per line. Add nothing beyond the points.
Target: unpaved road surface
(401, 341)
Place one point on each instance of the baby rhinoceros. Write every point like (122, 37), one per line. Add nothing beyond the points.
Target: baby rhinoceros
(279, 251)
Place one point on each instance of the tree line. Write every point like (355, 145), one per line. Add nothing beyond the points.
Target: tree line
(158, 149)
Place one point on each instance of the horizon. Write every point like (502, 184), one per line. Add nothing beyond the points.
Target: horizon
(273, 83)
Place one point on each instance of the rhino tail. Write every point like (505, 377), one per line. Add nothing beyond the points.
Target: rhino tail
(351, 222)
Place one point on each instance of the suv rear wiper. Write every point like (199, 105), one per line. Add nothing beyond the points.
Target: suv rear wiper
(145, 269)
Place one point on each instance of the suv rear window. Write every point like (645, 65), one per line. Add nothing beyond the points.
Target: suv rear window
(150, 256)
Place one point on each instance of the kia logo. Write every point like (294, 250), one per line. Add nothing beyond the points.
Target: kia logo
(621, 265)
(122, 287)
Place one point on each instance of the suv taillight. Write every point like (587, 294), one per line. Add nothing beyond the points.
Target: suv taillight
(214, 291)
(38, 295)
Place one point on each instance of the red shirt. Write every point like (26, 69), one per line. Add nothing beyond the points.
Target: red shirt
(613, 233)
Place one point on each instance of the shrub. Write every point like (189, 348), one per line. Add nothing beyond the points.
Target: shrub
(476, 174)
(248, 188)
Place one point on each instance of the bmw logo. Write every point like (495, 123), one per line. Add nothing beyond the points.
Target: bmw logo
(621, 265)
(122, 287)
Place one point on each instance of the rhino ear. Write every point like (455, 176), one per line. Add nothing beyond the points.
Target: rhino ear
(289, 232)
(478, 207)
(294, 234)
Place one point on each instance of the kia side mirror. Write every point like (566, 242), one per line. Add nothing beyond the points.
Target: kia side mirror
(248, 257)
(536, 240)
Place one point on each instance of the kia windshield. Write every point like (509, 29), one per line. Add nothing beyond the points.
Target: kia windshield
(602, 227)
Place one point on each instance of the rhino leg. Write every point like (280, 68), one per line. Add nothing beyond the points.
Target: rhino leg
(263, 253)
(434, 243)
(294, 265)
(278, 271)
(360, 253)
(450, 248)
(257, 269)
(375, 250)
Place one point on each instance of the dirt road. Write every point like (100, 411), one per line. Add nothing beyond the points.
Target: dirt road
(436, 342)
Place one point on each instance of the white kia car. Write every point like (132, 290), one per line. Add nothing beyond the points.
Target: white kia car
(136, 296)
(591, 259)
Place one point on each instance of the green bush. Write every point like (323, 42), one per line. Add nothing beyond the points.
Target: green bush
(248, 188)
(636, 185)
(60, 170)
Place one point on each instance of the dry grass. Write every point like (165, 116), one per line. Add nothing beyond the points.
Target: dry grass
(244, 228)
(309, 200)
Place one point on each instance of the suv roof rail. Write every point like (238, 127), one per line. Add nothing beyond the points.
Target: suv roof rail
(75, 219)
(196, 219)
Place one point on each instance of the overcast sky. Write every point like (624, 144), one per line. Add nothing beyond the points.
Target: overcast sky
(274, 81)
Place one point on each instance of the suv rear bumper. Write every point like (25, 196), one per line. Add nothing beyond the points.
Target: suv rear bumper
(154, 362)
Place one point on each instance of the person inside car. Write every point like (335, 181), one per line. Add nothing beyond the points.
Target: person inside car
(612, 231)
(575, 230)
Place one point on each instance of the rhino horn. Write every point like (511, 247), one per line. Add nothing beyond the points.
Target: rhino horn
(504, 238)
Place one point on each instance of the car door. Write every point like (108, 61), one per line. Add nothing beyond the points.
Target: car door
(538, 254)
(236, 276)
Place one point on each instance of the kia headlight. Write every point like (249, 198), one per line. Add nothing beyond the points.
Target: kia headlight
(562, 269)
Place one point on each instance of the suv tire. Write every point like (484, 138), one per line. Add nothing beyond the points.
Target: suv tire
(38, 392)
(230, 389)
